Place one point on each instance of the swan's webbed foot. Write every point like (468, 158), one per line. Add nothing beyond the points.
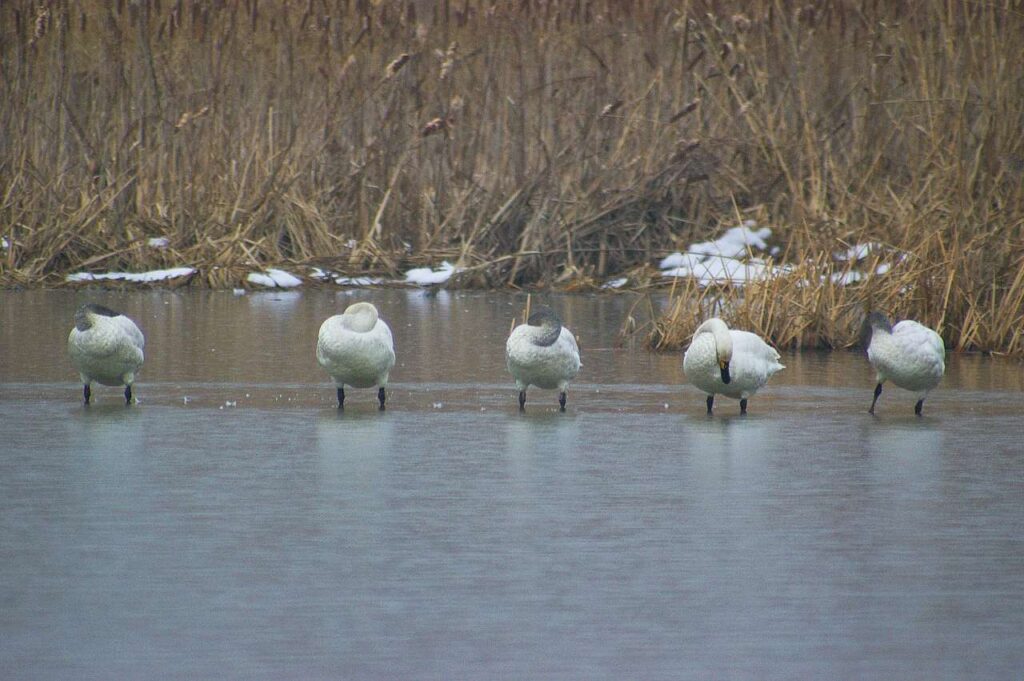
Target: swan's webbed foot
(743, 407)
(87, 393)
(878, 391)
(919, 406)
(711, 403)
(341, 398)
(127, 394)
(522, 400)
(561, 401)
(380, 397)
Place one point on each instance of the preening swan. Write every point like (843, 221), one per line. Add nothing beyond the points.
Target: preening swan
(909, 354)
(723, 361)
(543, 353)
(356, 349)
(105, 347)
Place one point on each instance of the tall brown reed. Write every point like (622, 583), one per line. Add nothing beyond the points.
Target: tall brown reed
(533, 142)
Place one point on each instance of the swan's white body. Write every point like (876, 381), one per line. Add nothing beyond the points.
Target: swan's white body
(105, 347)
(909, 354)
(749, 360)
(542, 353)
(356, 348)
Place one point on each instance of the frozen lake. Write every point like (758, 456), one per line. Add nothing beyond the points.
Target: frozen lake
(234, 525)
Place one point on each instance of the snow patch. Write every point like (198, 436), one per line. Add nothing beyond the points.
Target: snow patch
(273, 278)
(159, 242)
(615, 283)
(724, 260)
(857, 252)
(736, 242)
(137, 277)
(358, 281)
(844, 278)
(426, 276)
(342, 280)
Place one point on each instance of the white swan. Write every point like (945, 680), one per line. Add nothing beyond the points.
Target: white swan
(909, 354)
(356, 349)
(543, 353)
(105, 347)
(727, 362)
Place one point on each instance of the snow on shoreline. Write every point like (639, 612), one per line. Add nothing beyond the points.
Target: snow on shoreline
(342, 280)
(427, 276)
(734, 259)
(274, 278)
(726, 260)
(135, 277)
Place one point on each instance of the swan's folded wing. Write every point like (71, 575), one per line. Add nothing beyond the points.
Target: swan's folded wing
(744, 342)
(919, 338)
(571, 342)
(133, 331)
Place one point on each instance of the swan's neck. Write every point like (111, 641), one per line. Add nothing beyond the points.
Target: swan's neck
(83, 322)
(360, 320)
(547, 333)
(87, 315)
(877, 326)
(718, 331)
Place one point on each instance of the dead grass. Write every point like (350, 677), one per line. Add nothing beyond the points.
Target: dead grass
(538, 144)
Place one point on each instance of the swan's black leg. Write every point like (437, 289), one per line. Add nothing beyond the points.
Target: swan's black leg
(743, 407)
(878, 391)
(127, 394)
(87, 392)
(380, 397)
(341, 398)
(561, 401)
(711, 403)
(919, 406)
(522, 400)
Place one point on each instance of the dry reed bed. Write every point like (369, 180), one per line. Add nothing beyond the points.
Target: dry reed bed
(534, 143)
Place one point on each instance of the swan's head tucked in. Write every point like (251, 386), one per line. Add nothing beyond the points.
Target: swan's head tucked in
(84, 315)
(723, 344)
(876, 321)
(359, 317)
(550, 326)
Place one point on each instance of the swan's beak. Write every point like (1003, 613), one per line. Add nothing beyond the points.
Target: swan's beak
(725, 371)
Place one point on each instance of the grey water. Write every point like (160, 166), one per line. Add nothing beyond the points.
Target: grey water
(234, 525)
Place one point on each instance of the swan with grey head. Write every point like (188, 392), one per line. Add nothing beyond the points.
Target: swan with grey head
(106, 347)
(542, 353)
(356, 348)
(724, 361)
(908, 353)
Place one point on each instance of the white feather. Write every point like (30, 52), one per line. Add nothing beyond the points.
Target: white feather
(912, 356)
(548, 367)
(356, 348)
(109, 352)
(751, 362)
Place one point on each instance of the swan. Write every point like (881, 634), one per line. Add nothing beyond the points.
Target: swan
(543, 353)
(356, 349)
(727, 362)
(909, 354)
(105, 347)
